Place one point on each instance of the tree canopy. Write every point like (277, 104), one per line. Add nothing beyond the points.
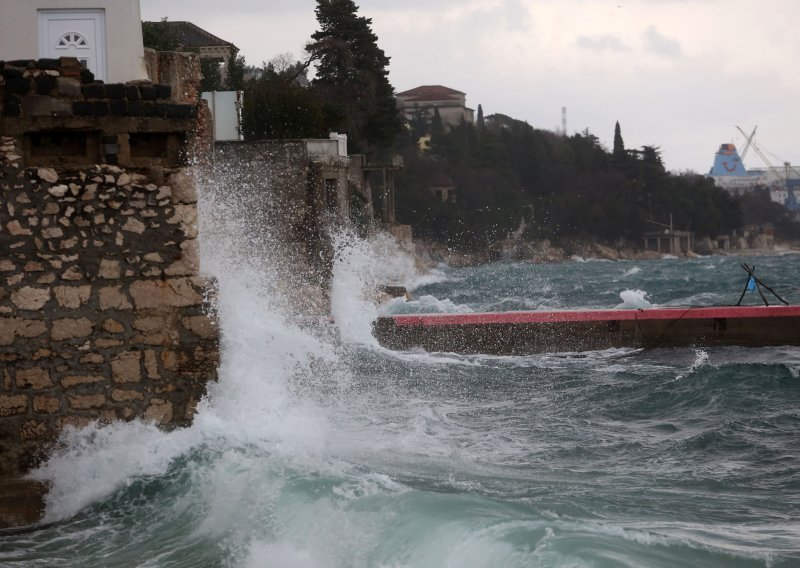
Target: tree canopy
(564, 187)
(352, 77)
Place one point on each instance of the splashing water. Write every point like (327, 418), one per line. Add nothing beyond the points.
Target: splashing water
(317, 449)
(634, 299)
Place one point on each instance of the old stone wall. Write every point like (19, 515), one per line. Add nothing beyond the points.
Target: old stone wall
(102, 312)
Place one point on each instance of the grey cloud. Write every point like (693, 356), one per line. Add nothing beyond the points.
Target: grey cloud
(659, 44)
(516, 15)
(607, 42)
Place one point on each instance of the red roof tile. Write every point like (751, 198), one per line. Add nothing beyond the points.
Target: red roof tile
(431, 92)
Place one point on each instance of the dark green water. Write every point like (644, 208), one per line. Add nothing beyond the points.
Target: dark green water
(314, 453)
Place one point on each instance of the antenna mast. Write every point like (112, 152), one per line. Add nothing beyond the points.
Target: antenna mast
(564, 121)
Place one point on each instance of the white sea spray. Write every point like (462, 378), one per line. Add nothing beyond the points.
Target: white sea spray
(634, 299)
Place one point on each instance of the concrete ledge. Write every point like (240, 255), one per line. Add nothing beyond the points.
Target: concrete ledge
(521, 333)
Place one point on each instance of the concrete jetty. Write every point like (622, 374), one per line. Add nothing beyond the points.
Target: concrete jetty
(520, 333)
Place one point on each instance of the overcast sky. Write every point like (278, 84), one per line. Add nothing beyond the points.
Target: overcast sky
(678, 74)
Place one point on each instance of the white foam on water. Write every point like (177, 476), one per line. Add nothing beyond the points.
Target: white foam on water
(632, 271)
(634, 299)
(700, 361)
(94, 462)
(426, 304)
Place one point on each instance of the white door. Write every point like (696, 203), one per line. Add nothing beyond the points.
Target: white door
(75, 33)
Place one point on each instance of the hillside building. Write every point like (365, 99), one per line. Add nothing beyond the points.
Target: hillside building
(427, 98)
(189, 37)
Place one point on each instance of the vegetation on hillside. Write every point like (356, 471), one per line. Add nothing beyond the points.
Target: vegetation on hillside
(562, 186)
(506, 176)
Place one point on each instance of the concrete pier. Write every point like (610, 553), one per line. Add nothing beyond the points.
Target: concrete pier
(520, 333)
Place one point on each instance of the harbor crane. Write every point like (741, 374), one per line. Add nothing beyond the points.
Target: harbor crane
(748, 141)
(781, 173)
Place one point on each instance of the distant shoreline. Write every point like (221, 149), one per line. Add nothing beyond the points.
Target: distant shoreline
(430, 254)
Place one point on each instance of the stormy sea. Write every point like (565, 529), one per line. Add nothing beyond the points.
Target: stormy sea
(319, 448)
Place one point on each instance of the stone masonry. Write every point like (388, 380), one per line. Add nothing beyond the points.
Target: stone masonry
(102, 313)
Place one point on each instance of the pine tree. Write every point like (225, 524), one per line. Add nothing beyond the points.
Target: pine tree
(352, 76)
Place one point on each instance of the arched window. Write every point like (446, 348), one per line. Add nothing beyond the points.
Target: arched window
(72, 39)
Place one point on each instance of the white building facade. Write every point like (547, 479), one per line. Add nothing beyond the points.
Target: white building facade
(105, 35)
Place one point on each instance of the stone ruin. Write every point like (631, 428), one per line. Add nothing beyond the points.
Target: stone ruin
(103, 314)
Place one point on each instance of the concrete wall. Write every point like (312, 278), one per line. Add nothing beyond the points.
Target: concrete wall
(102, 311)
(287, 192)
(19, 33)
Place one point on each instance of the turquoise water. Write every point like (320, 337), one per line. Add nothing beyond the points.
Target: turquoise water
(313, 451)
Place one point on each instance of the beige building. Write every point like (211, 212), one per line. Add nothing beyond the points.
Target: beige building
(189, 37)
(450, 103)
(104, 35)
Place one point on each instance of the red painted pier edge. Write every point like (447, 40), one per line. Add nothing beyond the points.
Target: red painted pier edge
(519, 333)
(712, 312)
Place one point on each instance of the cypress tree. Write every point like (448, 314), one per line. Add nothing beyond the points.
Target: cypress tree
(234, 71)
(619, 145)
(481, 123)
(437, 128)
(352, 76)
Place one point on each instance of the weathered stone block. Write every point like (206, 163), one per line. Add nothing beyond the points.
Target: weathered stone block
(44, 84)
(113, 326)
(30, 298)
(68, 87)
(75, 380)
(151, 364)
(126, 367)
(13, 404)
(77, 422)
(186, 217)
(52, 233)
(184, 188)
(43, 404)
(73, 273)
(109, 269)
(133, 225)
(38, 105)
(120, 395)
(29, 328)
(70, 328)
(72, 297)
(8, 330)
(17, 230)
(159, 411)
(150, 324)
(169, 359)
(105, 343)
(112, 298)
(92, 359)
(34, 378)
(176, 292)
(202, 326)
(189, 262)
(86, 402)
(33, 430)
